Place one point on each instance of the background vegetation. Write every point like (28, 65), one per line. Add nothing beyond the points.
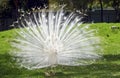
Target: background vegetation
(9, 8)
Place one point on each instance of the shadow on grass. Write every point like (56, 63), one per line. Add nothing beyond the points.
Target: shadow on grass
(7, 66)
(91, 71)
(8, 69)
(112, 57)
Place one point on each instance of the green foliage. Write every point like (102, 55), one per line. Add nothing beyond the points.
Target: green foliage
(107, 67)
(4, 5)
(84, 5)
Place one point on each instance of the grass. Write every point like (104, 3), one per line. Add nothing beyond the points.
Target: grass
(107, 67)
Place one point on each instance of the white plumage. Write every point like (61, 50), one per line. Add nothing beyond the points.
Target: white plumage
(48, 39)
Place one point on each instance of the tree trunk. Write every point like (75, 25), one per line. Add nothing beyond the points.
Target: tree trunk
(116, 7)
(101, 12)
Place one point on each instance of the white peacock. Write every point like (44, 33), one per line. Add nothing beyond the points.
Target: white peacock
(53, 38)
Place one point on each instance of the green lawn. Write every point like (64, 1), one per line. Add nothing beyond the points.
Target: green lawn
(107, 67)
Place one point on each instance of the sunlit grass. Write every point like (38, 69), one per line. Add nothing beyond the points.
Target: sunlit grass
(107, 67)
